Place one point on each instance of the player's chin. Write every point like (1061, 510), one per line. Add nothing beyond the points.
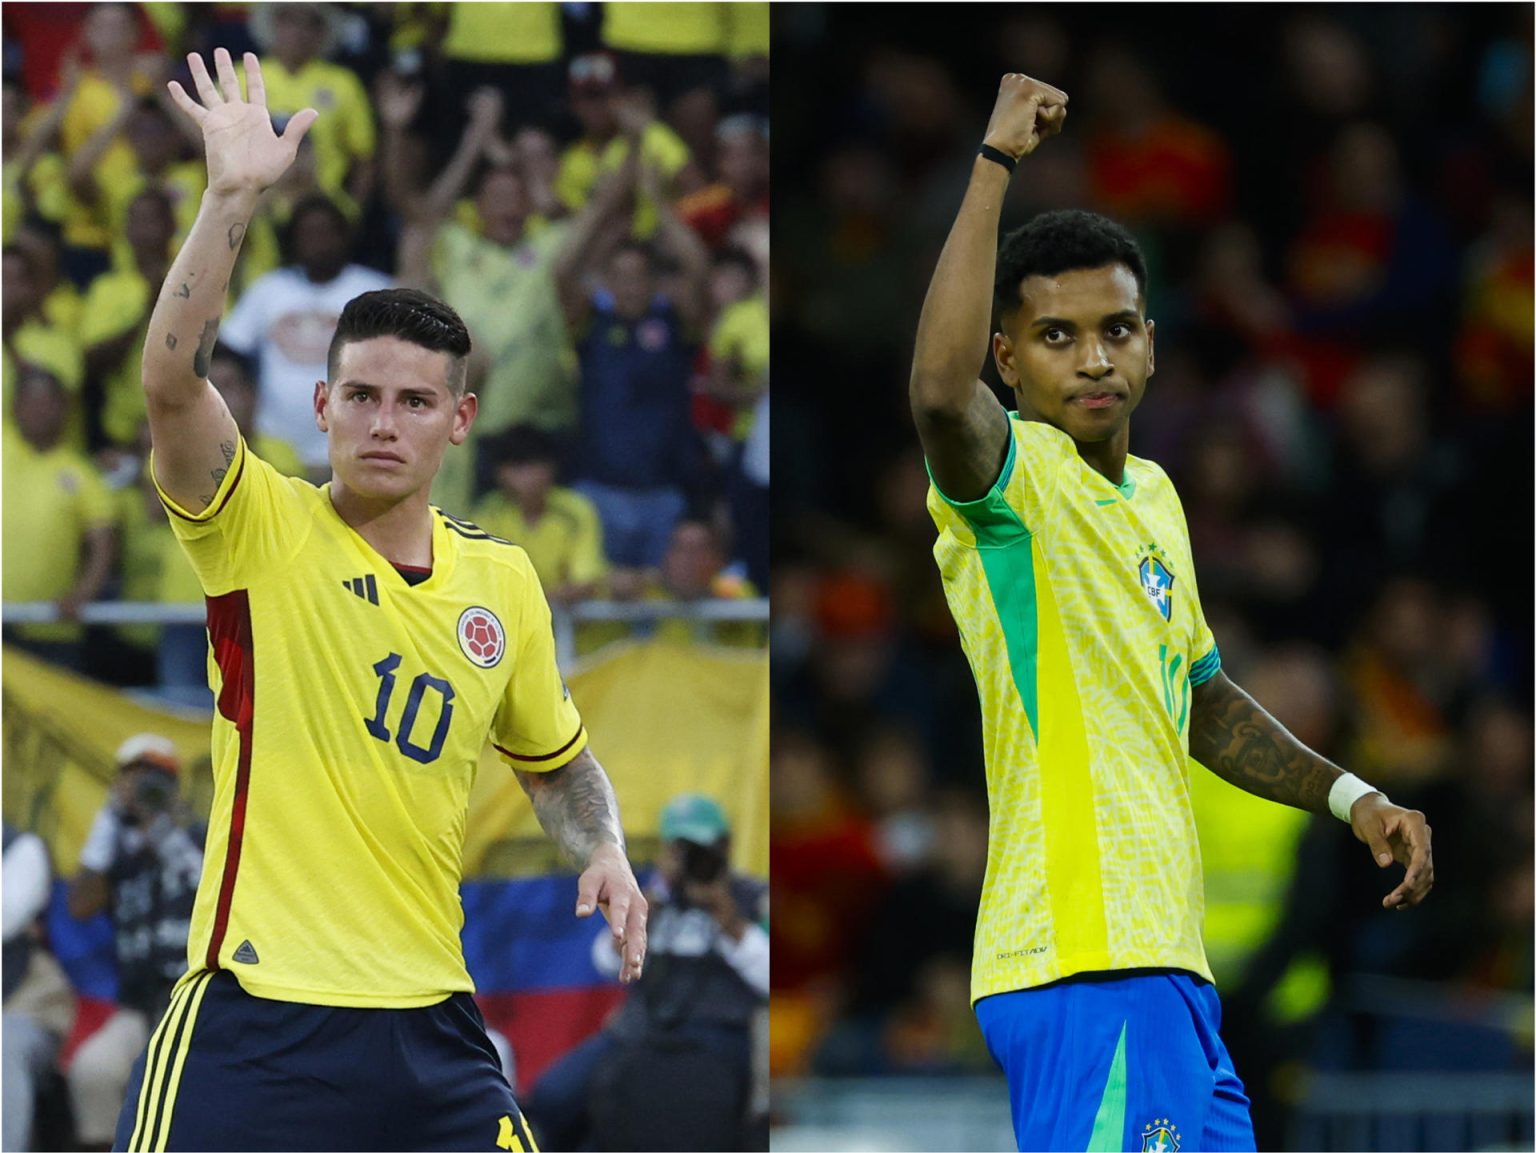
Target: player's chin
(382, 482)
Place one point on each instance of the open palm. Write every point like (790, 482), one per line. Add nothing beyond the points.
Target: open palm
(244, 153)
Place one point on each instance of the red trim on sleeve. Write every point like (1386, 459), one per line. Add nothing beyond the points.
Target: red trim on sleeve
(546, 756)
(234, 484)
(229, 631)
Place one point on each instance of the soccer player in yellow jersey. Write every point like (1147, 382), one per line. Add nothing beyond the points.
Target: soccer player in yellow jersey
(1066, 564)
(364, 648)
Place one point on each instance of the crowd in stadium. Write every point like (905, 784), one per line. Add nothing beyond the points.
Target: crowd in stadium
(586, 184)
(1337, 213)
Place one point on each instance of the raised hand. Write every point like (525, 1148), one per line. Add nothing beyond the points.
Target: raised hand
(1027, 111)
(245, 155)
(396, 100)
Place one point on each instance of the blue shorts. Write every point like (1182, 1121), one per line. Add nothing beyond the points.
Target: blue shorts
(1118, 1061)
(231, 1071)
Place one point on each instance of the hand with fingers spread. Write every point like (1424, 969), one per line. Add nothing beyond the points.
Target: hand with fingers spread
(1396, 834)
(609, 884)
(245, 155)
(1027, 111)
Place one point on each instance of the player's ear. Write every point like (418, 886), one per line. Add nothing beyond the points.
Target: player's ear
(320, 398)
(1003, 354)
(463, 417)
(1151, 348)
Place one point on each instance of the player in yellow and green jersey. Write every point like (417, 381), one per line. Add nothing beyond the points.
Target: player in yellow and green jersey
(365, 646)
(1067, 566)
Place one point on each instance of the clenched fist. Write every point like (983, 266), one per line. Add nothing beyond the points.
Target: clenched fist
(1027, 112)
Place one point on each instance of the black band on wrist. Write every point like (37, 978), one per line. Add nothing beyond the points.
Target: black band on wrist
(998, 156)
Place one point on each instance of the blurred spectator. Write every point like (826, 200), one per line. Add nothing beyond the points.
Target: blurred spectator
(33, 171)
(29, 336)
(39, 1004)
(234, 376)
(515, 48)
(741, 193)
(296, 39)
(556, 526)
(284, 323)
(51, 494)
(116, 315)
(676, 51)
(598, 102)
(141, 863)
(637, 453)
(673, 1066)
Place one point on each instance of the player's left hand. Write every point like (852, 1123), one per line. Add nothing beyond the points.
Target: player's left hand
(1396, 834)
(609, 884)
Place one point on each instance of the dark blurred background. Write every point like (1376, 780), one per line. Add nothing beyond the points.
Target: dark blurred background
(1336, 207)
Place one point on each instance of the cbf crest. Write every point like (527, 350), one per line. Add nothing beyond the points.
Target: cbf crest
(1158, 1136)
(1157, 580)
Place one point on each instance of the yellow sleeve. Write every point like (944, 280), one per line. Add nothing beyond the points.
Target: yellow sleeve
(537, 728)
(256, 521)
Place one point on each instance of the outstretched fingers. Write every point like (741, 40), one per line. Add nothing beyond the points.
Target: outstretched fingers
(228, 81)
(255, 86)
(207, 91)
(191, 107)
(298, 124)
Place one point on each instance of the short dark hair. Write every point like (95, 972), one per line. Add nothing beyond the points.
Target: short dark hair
(311, 202)
(415, 317)
(1063, 241)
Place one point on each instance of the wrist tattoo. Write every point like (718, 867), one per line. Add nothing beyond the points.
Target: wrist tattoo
(576, 806)
(1238, 741)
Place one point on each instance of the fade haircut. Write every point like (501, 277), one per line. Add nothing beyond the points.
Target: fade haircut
(1063, 241)
(410, 315)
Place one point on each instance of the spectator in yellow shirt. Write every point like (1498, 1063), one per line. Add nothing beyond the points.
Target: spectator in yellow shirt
(557, 527)
(117, 74)
(295, 39)
(56, 522)
(29, 336)
(598, 103)
(33, 172)
(116, 313)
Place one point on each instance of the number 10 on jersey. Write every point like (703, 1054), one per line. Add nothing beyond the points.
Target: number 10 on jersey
(401, 737)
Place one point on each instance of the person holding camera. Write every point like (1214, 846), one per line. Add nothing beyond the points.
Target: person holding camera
(673, 1067)
(141, 863)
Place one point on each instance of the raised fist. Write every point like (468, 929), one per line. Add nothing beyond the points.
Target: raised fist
(1027, 111)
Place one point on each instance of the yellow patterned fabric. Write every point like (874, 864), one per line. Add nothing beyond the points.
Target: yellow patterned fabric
(1076, 604)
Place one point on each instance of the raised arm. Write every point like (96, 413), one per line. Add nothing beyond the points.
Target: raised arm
(1230, 734)
(193, 434)
(963, 428)
(576, 806)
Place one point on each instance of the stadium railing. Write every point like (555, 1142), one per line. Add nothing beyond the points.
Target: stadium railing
(701, 614)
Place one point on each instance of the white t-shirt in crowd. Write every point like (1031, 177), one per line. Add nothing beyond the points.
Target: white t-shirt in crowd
(285, 321)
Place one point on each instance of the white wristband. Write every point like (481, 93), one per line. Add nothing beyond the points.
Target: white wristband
(1345, 792)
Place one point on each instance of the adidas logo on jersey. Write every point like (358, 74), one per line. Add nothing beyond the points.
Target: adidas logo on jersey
(365, 587)
(246, 955)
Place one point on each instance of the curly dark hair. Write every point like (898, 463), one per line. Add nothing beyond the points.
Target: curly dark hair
(1062, 241)
(415, 317)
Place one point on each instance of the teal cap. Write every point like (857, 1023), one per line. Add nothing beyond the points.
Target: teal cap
(693, 817)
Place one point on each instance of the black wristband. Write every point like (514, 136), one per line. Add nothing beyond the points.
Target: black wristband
(998, 156)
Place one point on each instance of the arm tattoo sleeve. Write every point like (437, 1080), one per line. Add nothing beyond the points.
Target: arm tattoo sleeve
(576, 806)
(1238, 741)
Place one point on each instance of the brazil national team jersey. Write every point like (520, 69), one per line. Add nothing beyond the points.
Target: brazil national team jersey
(1076, 604)
(352, 709)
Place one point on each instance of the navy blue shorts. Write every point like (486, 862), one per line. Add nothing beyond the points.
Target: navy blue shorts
(1109, 1063)
(227, 1070)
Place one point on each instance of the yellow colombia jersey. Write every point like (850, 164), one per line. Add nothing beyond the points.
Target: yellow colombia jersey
(1076, 605)
(352, 708)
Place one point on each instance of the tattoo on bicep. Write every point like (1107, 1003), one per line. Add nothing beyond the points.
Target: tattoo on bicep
(227, 447)
(1241, 743)
(170, 341)
(236, 235)
(576, 806)
(202, 359)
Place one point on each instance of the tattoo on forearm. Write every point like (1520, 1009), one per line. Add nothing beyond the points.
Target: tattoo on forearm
(185, 291)
(236, 235)
(202, 359)
(170, 342)
(576, 806)
(1238, 741)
